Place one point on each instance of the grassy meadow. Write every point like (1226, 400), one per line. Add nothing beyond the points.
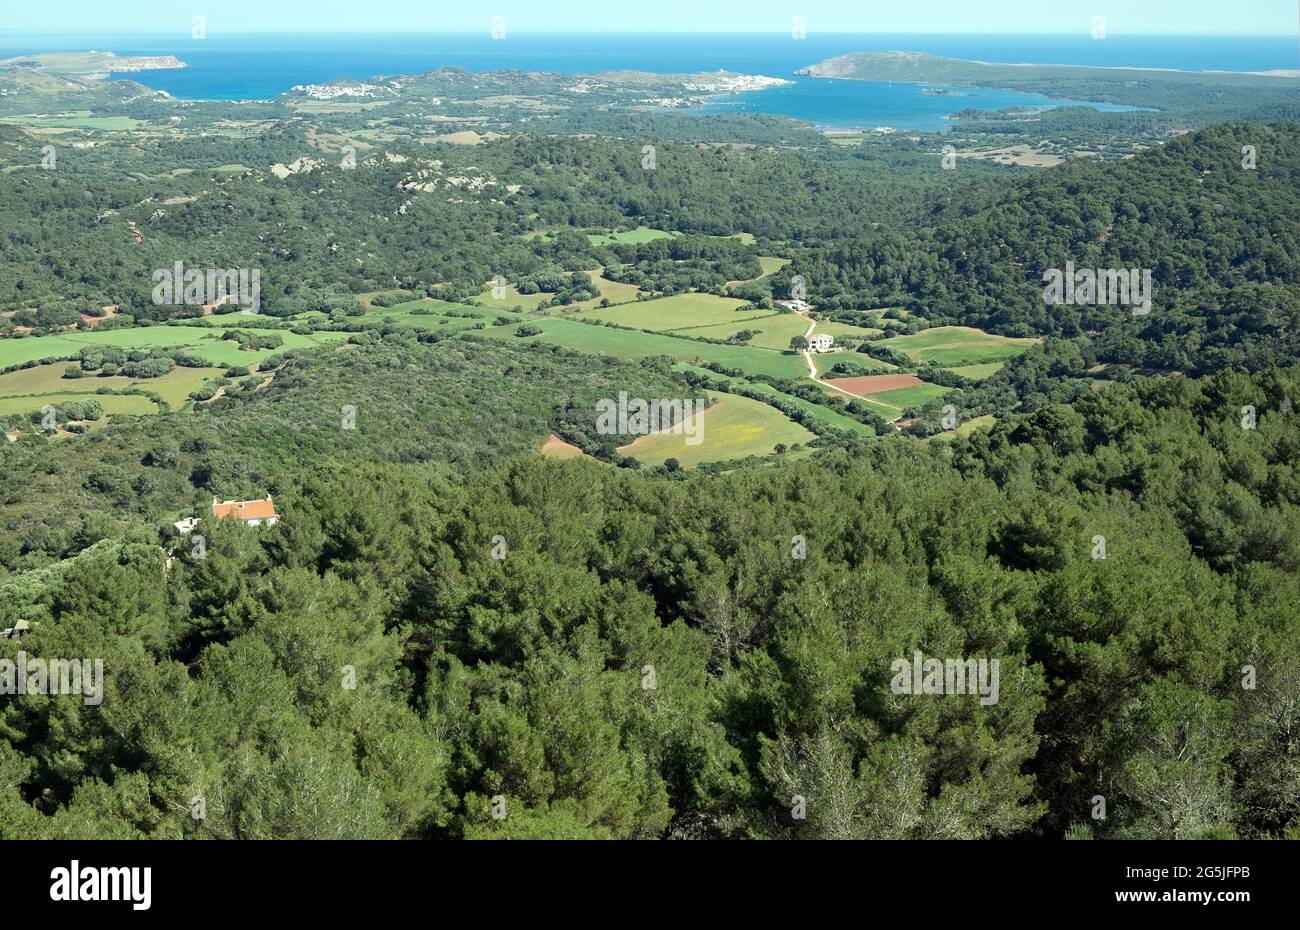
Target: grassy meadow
(636, 236)
(978, 372)
(173, 387)
(734, 428)
(910, 396)
(130, 404)
(204, 342)
(958, 346)
(679, 312)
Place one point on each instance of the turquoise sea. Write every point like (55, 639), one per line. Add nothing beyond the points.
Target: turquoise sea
(262, 66)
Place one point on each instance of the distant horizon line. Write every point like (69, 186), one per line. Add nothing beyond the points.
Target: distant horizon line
(180, 34)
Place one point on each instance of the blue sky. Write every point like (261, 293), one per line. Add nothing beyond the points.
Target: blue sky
(1167, 17)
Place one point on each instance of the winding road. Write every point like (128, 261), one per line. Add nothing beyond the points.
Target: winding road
(808, 357)
(812, 372)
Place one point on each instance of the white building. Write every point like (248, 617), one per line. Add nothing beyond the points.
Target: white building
(821, 343)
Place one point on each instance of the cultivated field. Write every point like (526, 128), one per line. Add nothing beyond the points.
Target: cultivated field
(875, 384)
(895, 391)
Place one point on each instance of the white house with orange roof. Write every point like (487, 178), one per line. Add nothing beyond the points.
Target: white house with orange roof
(250, 513)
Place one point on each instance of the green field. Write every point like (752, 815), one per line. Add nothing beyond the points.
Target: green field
(846, 331)
(636, 236)
(768, 263)
(711, 317)
(973, 355)
(616, 292)
(739, 427)
(858, 360)
(826, 415)
(109, 123)
(958, 346)
(177, 385)
(775, 331)
(513, 299)
(367, 299)
(613, 291)
(433, 321)
(978, 372)
(430, 314)
(679, 312)
(132, 404)
(174, 387)
(963, 430)
(204, 342)
(438, 306)
(634, 345)
(910, 396)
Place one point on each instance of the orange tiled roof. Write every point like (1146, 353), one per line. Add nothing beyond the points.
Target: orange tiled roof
(245, 510)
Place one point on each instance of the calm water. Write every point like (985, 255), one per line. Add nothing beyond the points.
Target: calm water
(261, 66)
